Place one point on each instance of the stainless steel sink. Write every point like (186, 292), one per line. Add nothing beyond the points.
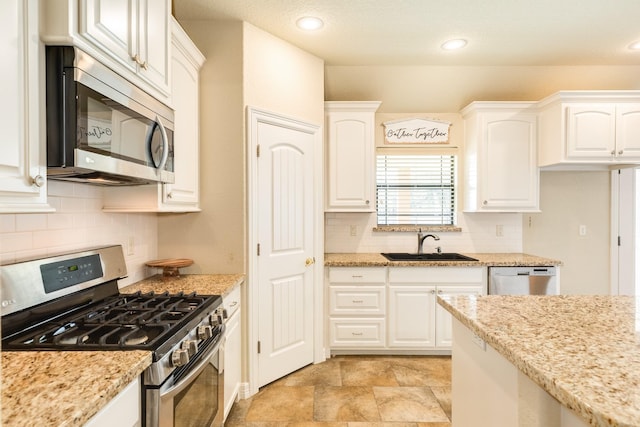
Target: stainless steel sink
(444, 256)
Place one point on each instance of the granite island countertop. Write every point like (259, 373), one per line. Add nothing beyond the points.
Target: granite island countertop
(483, 259)
(582, 350)
(67, 388)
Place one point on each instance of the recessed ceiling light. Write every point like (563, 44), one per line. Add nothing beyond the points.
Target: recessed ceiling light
(635, 45)
(454, 44)
(309, 23)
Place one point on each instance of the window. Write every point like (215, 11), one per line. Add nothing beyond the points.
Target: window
(415, 189)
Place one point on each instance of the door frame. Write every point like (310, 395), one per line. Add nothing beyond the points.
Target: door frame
(256, 116)
(624, 223)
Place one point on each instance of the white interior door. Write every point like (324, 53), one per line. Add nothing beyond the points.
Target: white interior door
(285, 261)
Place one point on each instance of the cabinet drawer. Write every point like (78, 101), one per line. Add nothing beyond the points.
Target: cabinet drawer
(357, 332)
(437, 275)
(231, 302)
(357, 275)
(357, 300)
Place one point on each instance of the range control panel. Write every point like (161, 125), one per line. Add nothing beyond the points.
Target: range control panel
(63, 274)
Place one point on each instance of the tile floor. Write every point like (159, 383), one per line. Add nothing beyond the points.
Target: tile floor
(354, 391)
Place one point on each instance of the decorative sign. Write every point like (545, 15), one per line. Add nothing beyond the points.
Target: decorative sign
(416, 131)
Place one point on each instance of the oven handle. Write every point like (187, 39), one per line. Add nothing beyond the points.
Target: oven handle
(184, 382)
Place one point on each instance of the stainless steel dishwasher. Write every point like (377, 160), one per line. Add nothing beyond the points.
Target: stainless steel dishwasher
(523, 281)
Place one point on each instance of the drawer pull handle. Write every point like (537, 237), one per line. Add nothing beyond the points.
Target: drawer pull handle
(233, 304)
(357, 277)
(356, 334)
(357, 301)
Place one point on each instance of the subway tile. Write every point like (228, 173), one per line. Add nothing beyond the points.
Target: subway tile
(7, 223)
(15, 242)
(31, 222)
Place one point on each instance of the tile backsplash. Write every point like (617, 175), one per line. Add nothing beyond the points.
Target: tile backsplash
(481, 232)
(79, 223)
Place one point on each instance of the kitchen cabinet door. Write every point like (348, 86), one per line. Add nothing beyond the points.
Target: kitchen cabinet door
(591, 131)
(411, 316)
(123, 410)
(628, 131)
(501, 173)
(351, 155)
(23, 172)
(444, 321)
(134, 33)
(112, 25)
(233, 361)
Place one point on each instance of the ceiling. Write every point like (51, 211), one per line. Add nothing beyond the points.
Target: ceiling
(410, 32)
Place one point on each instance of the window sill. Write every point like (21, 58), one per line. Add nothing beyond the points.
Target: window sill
(416, 228)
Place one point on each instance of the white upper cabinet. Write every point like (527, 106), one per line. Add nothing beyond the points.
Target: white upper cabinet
(130, 36)
(351, 156)
(500, 167)
(589, 129)
(183, 195)
(23, 171)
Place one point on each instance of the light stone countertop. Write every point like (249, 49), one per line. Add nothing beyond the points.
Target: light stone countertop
(484, 259)
(583, 350)
(64, 388)
(204, 284)
(67, 388)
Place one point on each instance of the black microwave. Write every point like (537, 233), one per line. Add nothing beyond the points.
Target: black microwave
(102, 129)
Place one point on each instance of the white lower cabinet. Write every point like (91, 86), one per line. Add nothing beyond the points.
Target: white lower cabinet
(232, 350)
(394, 309)
(357, 307)
(123, 410)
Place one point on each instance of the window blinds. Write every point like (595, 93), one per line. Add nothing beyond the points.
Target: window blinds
(415, 189)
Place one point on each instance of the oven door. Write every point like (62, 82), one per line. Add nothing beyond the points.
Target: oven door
(192, 397)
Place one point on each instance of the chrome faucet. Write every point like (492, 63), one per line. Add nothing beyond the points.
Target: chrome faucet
(422, 237)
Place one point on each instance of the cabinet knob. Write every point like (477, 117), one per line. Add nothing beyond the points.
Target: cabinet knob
(309, 261)
(485, 203)
(620, 152)
(433, 291)
(613, 152)
(37, 180)
(366, 201)
(169, 195)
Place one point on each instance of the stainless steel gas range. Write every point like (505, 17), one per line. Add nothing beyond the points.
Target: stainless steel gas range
(71, 302)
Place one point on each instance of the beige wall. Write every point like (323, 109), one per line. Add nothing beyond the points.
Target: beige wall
(214, 238)
(569, 200)
(245, 67)
(282, 78)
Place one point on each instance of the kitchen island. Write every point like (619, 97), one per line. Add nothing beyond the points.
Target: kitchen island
(545, 360)
(67, 388)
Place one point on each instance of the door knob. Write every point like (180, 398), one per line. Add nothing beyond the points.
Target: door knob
(309, 261)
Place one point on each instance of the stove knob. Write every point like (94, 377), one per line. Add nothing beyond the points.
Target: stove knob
(225, 314)
(205, 332)
(179, 357)
(214, 319)
(191, 346)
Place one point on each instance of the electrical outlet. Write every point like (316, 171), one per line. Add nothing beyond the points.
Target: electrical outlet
(499, 231)
(353, 230)
(583, 230)
(131, 246)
